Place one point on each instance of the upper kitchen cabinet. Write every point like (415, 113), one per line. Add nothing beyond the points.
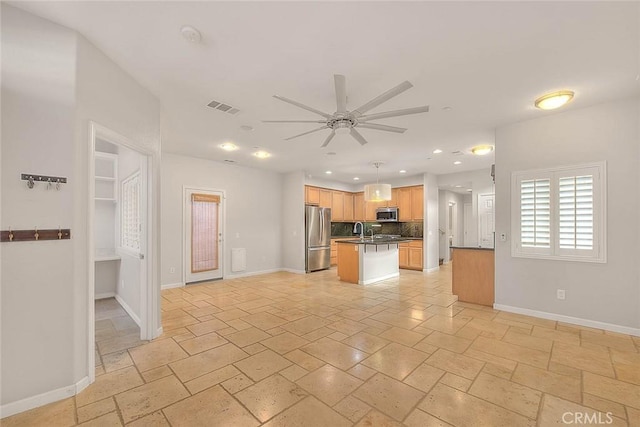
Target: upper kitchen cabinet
(393, 203)
(417, 203)
(358, 207)
(311, 195)
(404, 204)
(337, 206)
(349, 207)
(325, 198)
(410, 203)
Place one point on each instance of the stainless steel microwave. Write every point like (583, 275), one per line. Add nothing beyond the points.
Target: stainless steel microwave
(387, 214)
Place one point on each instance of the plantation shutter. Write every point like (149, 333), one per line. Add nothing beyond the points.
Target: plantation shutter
(535, 213)
(575, 209)
(130, 219)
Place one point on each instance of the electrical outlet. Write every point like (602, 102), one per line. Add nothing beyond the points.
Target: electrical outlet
(172, 270)
(503, 237)
(560, 294)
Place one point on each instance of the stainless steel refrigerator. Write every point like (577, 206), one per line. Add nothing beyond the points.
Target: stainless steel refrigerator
(318, 238)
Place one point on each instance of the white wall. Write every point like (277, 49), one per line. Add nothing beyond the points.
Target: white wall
(431, 235)
(481, 183)
(610, 292)
(253, 209)
(53, 83)
(38, 292)
(293, 222)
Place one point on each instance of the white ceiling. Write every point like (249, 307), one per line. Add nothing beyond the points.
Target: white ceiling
(487, 61)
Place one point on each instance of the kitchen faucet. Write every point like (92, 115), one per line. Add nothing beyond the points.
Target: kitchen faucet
(355, 229)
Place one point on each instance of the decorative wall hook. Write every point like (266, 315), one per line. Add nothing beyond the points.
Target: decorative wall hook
(30, 182)
(32, 179)
(12, 235)
(36, 235)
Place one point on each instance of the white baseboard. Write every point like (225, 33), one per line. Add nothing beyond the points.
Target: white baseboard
(251, 273)
(172, 285)
(431, 270)
(13, 408)
(129, 310)
(159, 332)
(378, 279)
(104, 295)
(568, 319)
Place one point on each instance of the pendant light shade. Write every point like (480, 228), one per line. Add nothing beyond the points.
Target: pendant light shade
(377, 192)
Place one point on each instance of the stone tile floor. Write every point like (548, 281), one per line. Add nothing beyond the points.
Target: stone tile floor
(290, 350)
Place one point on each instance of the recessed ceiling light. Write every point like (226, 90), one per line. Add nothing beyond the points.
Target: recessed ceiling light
(228, 146)
(437, 151)
(356, 178)
(262, 154)
(458, 186)
(403, 171)
(191, 34)
(481, 150)
(246, 128)
(469, 190)
(328, 172)
(457, 162)
(554, 100)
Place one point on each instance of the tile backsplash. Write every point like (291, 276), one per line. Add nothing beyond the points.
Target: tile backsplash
(405, 229)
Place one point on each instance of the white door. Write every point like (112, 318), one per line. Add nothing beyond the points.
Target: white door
(486, 220)
(468, 217)
(203, 219)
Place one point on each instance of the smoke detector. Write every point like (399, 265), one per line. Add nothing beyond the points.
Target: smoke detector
(191, 34)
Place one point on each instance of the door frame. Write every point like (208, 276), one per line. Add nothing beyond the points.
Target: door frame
(480, 219)
(149, 291)
(467, 221)
(223, 226)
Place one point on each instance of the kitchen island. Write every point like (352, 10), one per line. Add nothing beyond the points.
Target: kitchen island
(473, 275)
(366, 260)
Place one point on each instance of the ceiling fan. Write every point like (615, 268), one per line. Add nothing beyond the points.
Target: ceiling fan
(344, 121)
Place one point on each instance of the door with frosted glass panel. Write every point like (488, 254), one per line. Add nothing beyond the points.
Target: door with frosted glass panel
(203, 232)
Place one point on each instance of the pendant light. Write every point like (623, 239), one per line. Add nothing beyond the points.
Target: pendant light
(377, 192)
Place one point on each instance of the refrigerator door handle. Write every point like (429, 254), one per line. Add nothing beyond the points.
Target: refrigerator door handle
(320, 248)
(321, 224)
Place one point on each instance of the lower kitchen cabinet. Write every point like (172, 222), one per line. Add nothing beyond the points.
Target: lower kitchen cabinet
(411, 255)
(334, 252)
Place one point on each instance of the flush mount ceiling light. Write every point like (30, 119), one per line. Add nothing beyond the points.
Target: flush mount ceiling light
(228, 146)
(328, 172)
(437, 151)
(481, 150)
(262, 154)
(554, 100)
(356, 178)
(457, 162)
(191, 34)
(403, 171)
(377, 192)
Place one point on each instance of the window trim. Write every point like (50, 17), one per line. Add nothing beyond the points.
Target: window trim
(599, 253)
(126, 249)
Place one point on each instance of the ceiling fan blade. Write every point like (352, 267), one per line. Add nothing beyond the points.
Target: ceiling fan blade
(382, 127)
(304, 107)
(358, 137)
(306, 133)
(329, 138)
(383, 98)
(395, 113)
(341, 92)
(294, 121)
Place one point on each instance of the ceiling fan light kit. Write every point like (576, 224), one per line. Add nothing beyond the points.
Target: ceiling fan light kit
(344, 122)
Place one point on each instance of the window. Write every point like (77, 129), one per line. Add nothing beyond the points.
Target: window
(559, 213)
(130, 215)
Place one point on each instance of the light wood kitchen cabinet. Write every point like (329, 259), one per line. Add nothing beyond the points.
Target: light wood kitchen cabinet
(417, 203)
(311, 195)
(325, 198)
(337, 206)
(404, 204)
(393, 203)
(348, 207)
(334, 252)
(411, 255)
(358, 207)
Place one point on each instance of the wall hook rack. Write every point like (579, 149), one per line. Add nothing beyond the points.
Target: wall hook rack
(36, 234)
(50, 180)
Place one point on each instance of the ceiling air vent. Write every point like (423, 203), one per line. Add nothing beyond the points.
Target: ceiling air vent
(222, 107)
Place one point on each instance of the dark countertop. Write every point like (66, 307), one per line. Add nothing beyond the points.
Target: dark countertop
(471, 247)
(355, 238)
(368, 241)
